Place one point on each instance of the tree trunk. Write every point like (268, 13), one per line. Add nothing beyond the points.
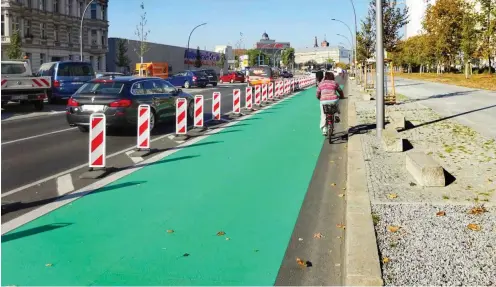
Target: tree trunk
(467, 64)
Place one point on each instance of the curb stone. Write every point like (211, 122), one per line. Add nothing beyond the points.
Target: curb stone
(362, 265)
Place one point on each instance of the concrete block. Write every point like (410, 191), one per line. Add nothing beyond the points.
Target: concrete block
(426, 171)
(397, 120)
(392, 141)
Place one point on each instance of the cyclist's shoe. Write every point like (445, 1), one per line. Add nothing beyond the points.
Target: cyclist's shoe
(337, 119)
(324, 131)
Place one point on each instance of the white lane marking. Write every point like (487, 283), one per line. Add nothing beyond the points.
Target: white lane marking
(171, 137)
(38, 136)
(14, 116)
(32, 215)
(64, 184)
(179, 142)
(135, 159)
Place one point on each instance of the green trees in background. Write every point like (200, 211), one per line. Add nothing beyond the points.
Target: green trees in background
(14, 49)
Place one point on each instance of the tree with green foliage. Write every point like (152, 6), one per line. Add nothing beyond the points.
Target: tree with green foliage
(14, 49)
(198, 60)
(487, 22)
(222, 61)
(254, 54)
(122, 58)
(394, 19)
(288, 56)
(236, 63)
(469, 37)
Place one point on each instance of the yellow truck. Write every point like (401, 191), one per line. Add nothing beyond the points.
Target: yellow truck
(152, 69)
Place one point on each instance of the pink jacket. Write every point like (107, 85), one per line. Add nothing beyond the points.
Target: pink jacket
(328, 90)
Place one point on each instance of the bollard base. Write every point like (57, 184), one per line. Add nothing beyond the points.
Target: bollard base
(142, 153)
(95, 173)
(233, 115)
(200, 129)
(182, 137)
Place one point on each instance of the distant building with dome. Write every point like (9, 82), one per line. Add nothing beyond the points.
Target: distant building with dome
(270, 46)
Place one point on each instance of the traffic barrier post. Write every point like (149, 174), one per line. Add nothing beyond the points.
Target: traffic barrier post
(271, 91)
(97, 147)
(249, 98)
(181, 118)
(264, 93)
(257, 95)
(216, 106)
(237, 102)
(198, 119)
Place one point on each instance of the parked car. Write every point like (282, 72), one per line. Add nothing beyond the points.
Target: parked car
(19, 84)
(232, 77)
(212, 76)
(286, 74)
(105, 74)
(188, 79)
(119, 97)
(67, 78)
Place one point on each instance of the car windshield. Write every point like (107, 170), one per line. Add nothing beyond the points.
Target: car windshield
(103, 87)
(199, 74)
(13, 68)
(75, 70)
(260, 71)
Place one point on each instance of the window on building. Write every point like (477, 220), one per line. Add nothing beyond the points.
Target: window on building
(92, 60)
(81, 9)
(43, 30)
(27, 28)
(104, 36)
(3, 25)
(56, 32)
(69, 7)
(93, 11)
(42, 5)
(98, 63)
(56, 6)
(70, 57)
(42, 58)
(69, 35)
(15, 24)
(30, 3)
(104, 13)
(93, 37)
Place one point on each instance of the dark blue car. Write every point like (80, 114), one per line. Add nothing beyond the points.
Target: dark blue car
(67, 78)
(188, 79)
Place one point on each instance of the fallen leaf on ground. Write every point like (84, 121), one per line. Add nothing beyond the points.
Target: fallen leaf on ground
(220, 233)
(478, 210)
(49, 265)
(393, 228)
(337, 264)
(341, 195)
(170, 231)
(318, 235)
(340, 226)
(392, 195)
(385, 260)
(474, 227)
(441, 213)
(333, 184)
(185, 254)
(227, 238)
(300, 239)
(344, 188)
(301, 262)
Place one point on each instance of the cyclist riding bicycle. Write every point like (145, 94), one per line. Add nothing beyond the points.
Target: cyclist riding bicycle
(328, 92)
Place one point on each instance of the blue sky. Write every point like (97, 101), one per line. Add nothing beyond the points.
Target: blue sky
(295, 21)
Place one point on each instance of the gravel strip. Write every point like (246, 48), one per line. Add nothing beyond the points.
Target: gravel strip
(436, 250)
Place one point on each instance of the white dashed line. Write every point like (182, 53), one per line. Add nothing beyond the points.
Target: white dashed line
(37, 136)
(64, 184)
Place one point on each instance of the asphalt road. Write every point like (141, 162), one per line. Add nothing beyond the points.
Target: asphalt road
(37, 147)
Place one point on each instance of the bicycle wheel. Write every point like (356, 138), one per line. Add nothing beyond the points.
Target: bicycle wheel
(330, 127)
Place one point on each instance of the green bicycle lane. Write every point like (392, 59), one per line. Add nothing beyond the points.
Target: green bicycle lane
(248, 181)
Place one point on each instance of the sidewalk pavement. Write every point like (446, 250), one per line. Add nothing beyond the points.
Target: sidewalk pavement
(433, 235)
(470, 107)
(218, 211)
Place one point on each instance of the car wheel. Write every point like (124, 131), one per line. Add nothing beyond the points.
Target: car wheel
(83, 129)
(214, 84)
(4, 103)
(187, 85)
(38, 105)
(232, 81)
(152, 120)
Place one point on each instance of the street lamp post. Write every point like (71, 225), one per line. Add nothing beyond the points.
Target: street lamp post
(346, 39)
(189, 38)
(352, 46)
(81, 31)
(379, 62)
(356, 31)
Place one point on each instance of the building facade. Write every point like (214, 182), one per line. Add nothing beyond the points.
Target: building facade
(50, 29)
(270, 46)
(178, 58)
(321, 55)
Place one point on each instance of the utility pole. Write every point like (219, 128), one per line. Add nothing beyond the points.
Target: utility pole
(379, 61)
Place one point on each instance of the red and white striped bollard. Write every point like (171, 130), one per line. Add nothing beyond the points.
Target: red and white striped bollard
(216, 106)
(181, 118)
(249, 98)
(264, 93)
(198, 120)
(236, 101)
(97, 145)
(271, 91)
(257, 95)
(143, 127)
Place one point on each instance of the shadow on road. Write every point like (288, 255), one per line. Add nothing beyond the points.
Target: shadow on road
(33, 231)
(23, 205)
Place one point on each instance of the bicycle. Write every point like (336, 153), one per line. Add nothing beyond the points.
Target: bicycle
(330, 111)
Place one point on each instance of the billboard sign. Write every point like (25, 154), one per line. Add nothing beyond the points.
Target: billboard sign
(207, 58)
